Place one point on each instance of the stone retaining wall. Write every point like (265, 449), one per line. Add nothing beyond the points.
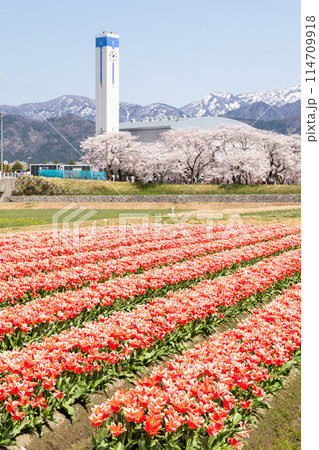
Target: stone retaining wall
(231, 198)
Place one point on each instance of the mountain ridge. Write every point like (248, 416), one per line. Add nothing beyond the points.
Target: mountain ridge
(28, 134)
(213, 104)
(39, 140)
(265, 112)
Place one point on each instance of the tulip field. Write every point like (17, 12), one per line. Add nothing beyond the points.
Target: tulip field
(74, 319)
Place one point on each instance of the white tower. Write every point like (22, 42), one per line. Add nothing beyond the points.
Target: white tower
(107, 82)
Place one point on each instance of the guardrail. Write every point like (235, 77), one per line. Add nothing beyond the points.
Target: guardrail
(11, 175)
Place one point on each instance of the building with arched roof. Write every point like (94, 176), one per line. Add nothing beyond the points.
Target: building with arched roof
(149, 130)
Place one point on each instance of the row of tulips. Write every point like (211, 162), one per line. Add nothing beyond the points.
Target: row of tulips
(68, 305)
(59, 262)
(65, 254)
(64, 367)
(77, 276)
(47, 238)
(50, 244)
(205, 397)
(40, 239)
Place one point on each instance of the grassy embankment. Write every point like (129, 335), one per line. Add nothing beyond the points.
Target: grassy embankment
(16, 215)
(96, 187)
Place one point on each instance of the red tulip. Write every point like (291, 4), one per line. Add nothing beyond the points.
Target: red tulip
(116, 430)
(153, 424)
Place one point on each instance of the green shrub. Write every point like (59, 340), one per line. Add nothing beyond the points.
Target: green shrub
(37, 186)
(17, 166)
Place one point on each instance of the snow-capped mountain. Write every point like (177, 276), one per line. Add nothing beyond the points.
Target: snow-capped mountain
(130, 111)
(214, 104)
(85, 107)
(66, 104)
(264, 111)
(217, 104)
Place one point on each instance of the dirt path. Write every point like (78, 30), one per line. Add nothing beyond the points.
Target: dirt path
(227, 207)
(279, 428)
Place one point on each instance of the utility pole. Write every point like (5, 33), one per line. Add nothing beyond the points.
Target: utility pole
(1, 142)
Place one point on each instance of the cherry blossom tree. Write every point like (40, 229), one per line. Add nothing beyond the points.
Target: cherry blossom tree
(152, 162)
(242, 166)
(283, 155)
(294, 171)
(240, 158)
(109, 151)
(194, 151)
(248, 154)
(241, 154)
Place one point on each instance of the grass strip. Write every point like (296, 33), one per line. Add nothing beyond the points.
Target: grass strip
(96, 187)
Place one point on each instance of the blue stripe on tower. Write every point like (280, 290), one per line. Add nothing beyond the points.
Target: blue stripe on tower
(112, 72)
(101, 60)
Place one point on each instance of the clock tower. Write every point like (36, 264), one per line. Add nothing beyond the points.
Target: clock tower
(107, 82)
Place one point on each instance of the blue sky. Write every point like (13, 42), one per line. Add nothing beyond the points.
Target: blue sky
(171, 51)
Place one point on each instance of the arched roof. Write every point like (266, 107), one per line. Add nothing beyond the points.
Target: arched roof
(178, 123)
